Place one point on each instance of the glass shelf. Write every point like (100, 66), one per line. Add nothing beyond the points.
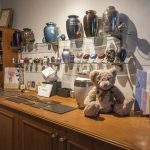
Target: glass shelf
(95, 39)
(84, 63)
(75, 45)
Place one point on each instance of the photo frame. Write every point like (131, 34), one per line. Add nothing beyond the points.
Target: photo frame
(32, 85)
(11, 78)
(6, 16)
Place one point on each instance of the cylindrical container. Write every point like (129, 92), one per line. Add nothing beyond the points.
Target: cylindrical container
(74, 27)
(90, 22)
(27, 36)
(71, 58)
(17, 39)
(66, 55)
(81, 87)
(51, 32)
(110, 19)
(122, 54)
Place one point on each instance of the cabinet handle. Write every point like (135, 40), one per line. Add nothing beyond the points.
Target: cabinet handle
(54, 135)
(62, 139)
(62, 143)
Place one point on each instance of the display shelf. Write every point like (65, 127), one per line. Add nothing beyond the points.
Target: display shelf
(97, 41)
(89, 45)
(75, 63)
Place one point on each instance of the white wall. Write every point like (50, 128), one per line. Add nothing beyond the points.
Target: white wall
(35, 13)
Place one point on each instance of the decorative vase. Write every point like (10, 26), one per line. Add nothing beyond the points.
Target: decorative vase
(17, 39)
(27, 36)
(90, 22)
(51, 32)
(74, 27)
(122, 54)
(110, 19)
(66, 55)
(71, 57)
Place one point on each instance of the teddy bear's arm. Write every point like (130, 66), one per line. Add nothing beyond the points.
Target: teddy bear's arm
(91, 96)
(119, 97)
(91, 106)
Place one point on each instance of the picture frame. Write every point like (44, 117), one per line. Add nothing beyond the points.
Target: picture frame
(6, 16)
(11, 78)
(32, 85)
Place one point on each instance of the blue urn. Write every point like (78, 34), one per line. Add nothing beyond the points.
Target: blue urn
(51, 32)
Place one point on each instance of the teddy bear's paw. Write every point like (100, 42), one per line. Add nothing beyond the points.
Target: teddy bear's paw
(91, 110)
(125, 108)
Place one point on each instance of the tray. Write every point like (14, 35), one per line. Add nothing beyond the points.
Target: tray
(16, 99)
(32, 98)
(59, 108)
(50, 102)
(39, 105)
(8, 93)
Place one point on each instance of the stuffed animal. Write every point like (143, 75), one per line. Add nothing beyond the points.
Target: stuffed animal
(105, 97)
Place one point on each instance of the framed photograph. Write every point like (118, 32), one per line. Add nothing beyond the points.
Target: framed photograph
(11, 78)
(6, 16)
(32, 85)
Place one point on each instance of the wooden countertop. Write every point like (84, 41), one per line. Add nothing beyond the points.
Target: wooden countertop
(131, 132)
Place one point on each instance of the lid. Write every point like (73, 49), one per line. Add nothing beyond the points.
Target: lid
(51, 23)
(82, 79)
(26, 29)
(82, 82)
(91, 11)
(73, 16)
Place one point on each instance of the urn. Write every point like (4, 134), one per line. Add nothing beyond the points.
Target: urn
(51, 32)
(27, 36)
(110, 19)
(66, 55)
(74, 27)
(90, 22)
(17, 39)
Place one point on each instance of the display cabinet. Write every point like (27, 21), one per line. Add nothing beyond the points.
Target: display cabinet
(7, 53)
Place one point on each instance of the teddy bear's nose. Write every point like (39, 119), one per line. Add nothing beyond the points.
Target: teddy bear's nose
(105, 85)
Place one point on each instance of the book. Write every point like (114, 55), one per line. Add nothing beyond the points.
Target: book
(145, 102)
(141, 80)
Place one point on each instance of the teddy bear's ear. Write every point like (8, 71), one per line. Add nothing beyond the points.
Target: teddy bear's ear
(113, 71)
(93, 75)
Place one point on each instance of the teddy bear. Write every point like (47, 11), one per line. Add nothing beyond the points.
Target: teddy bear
(105, 97)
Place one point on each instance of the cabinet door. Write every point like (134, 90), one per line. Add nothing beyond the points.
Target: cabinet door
(77, 141)
(106, 146)
(8, 130)
(59, 140)
(34, 134)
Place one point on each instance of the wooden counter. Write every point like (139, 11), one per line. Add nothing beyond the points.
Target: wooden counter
(121, 132)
